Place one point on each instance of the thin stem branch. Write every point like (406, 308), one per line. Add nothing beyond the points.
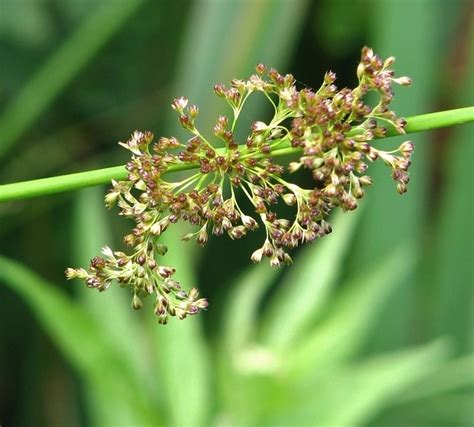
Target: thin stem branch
(63, 183)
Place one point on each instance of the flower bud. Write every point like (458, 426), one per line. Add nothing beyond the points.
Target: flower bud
(193, 294)
(155, 229)
(268, 249)
(402, 188)
(202, 303)
(180, 313)
(166, 272)
(181, 295)
(365, 180)
(187, 237)
(275, 262)
(219, 89)
(389, 62)
(107, 252)
(226, 223)
(404, 81)
(257, 255)
(163, 319)
(330, 190)
(179, 104)
(161, 249)
(329, 77)
(407, 148)
(258, 127)
(294, 166)
(249, 222)
(260, 69)
(73, 273)
(111, 198)
(202, 236)
(289, 198)
(193, 111)
(129, 239)
(373, 154)
(136, 302)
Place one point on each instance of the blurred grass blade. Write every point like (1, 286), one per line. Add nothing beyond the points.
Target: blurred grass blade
(82, 342)
(452, 270)
(226, 39)
(353, 315)
(111, 310)
(390, 220)
(182, 358)
(352, 395)
(445, 410)
(241, 308)
(237, 338)
(375, 383)
(46, 84)
(455, 375)
(308, 285)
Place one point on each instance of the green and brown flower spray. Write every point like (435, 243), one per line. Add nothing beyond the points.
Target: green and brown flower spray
(333, 131)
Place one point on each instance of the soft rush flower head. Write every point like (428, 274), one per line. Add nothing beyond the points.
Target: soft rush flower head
(332, 129)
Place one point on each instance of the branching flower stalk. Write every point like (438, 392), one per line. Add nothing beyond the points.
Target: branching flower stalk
(333, 129)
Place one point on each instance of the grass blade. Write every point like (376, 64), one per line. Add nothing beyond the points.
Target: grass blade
(76, 334)
(455, 375)
(451, 270)
(111, 311)
(308, 286)
(62, 67)
(226, 39)
(182, 358)
(352, 317)
(241, 310)
(353, 394)
(390, 220)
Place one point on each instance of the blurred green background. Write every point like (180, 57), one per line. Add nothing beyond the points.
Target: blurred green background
(372, 325)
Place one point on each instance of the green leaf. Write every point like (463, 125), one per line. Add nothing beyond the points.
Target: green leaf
(444, 410)
(182, 357)
(48, 81)
(238, 339)
(241, 309)
(226, 39)
(353, 315)
(308, 286)
(82, 342)
(451, 267)
(454, 375)
(248, 33)
(353, 394)
(111, 311)
(390, 219)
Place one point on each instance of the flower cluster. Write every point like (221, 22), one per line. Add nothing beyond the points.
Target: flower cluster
(332, 130)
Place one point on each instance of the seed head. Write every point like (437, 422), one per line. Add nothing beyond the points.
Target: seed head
(334, 131)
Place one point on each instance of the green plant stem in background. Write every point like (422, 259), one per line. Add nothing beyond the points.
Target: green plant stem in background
(63, 183)
(71, 57)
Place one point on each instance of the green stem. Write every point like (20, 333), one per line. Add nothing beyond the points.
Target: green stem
(63, 183)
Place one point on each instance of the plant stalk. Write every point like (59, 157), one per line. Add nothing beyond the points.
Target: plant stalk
(63, 183)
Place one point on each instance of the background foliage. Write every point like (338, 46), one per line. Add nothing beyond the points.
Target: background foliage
(372, 325)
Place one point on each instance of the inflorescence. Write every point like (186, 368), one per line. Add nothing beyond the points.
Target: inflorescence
(332, 130)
